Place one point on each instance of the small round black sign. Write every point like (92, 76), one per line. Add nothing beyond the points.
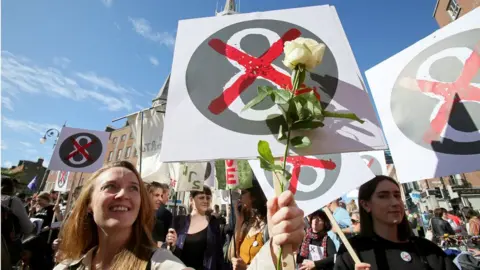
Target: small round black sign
(80, 150)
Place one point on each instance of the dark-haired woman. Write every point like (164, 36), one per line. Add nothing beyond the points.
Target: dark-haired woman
(196, 239)
(251, 231)
(317, 250)
(385, 241)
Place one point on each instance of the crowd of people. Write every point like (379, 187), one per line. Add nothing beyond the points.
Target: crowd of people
(115, 221)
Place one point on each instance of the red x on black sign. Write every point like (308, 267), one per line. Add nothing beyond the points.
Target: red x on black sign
(80, 150)
(436, 99)
(227, 68)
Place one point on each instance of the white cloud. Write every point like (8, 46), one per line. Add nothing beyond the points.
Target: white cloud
(3, 145)
(117, 25)
(27, 126)
(143, 28)
(7, 164)
(26, 144)
(7, 103)
(107, 3)
(153, 60)
(62, 62)
(20, 75)
(103, 82)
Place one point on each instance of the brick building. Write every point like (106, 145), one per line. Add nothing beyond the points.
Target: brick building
(120, 147)
(447, 11)
(26, 171)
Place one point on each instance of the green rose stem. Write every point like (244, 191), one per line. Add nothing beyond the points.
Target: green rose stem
(297, 80)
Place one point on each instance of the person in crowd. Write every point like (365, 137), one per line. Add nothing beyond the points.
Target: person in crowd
(355, 217)
(160, 229)
(454, 221)
(343, 219)
(317, 250)
(15, 221)
(473, 221)
(53, 195)
(163, 216)
(385, 240)
(196, 238)
(440, 226)
(352, 206)
(251, 230)
(216, 211)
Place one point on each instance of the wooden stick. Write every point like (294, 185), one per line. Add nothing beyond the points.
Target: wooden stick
(53, 220)
(288, 261)
(338, 230)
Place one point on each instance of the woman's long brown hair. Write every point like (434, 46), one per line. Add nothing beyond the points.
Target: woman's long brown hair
(79, 233)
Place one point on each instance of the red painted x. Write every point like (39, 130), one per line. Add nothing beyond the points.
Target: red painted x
(447, 91)
(254, 68)
(299, 161)
(80, 149)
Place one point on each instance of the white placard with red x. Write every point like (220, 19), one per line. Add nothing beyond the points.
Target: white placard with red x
(79, 150)
(219, 63)
(428, 99)
(318, 180)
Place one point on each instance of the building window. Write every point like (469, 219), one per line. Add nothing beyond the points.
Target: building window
(453, 9)
(124, 136)
(110, 156)
(128, 151)
(119, 154)
(114, 140)
(136, 152)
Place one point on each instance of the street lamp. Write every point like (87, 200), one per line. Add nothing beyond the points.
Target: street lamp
(50, 133)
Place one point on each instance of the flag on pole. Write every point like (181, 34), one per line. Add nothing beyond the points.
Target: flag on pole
(33, 184)
(190, 176)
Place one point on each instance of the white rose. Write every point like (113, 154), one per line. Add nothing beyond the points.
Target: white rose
(303, 51)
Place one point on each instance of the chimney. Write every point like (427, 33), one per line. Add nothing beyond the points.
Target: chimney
(40, 161)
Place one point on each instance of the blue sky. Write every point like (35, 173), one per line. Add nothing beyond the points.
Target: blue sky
(88, 62)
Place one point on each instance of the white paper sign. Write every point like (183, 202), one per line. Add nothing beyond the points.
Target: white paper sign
(79, 150)
(428, 99)
(316, 253)
(321, 179)
(61, 184)
(246, 51)
(375, 160)
(191, 177)
(152, 168)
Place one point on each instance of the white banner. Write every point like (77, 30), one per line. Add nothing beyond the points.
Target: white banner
(375, 160)
(152, 168)
(61, 184)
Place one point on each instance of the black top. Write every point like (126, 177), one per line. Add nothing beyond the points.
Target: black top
(163, 222)
(381, 254)
(325, 263)
(194, 249)
(46, 214)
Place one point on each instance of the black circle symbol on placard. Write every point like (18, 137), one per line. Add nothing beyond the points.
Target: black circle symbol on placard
(373, 164)
(308, 176)
(80, 150)
(435, 102)
(208, 171)
(226, 69)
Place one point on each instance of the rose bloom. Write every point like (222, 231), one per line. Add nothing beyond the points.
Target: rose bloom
(304, 51)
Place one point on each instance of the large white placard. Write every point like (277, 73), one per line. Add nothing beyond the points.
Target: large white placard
(218, 67)
(321, 179)
(428, 99)
(79, 150)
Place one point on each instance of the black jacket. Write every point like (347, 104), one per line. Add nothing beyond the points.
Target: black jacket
(441, 227)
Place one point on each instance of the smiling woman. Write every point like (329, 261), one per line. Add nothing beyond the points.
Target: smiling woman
(111, 224)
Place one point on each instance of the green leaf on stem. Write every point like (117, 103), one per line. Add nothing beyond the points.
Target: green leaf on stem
(343, 115)
(300, 141)
(265, 152)
(282, 96)
(263, 92)
(307, 125)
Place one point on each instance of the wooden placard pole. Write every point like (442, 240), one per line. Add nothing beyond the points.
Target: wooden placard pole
(340, 233)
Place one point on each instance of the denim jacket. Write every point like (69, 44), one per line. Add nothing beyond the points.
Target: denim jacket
(213, 258)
